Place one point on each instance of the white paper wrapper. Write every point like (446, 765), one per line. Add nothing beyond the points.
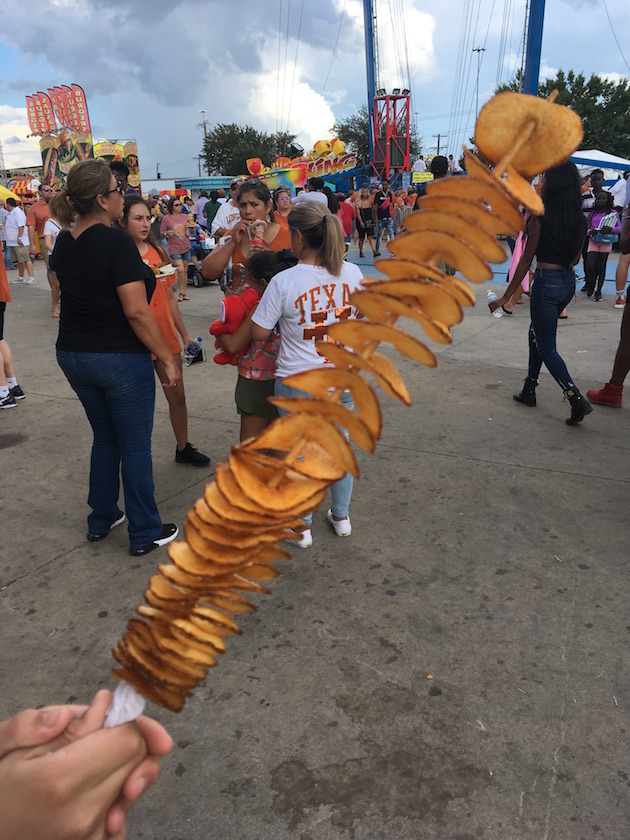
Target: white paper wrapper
(126, 705)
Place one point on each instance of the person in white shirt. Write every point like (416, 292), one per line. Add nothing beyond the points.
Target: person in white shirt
(304, 301)
(228, 214)
(453, 165)
(420, 165)
(198, 209)
(618, 191)
(8, 262)
(16, 234)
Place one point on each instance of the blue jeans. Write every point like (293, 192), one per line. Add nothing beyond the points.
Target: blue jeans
(117, 391)
(552, 290)
(384, 224)
(8, 262)
(341, 490)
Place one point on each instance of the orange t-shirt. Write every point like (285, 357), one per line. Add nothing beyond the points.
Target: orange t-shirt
(279, 219)
(160, 305)
(5, 293)
(37, 216)
(281, 240)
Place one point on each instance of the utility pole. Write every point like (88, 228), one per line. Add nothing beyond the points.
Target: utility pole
(198, 159)
(439, 137)
(478, 50)
(157, 171)
(203, 124)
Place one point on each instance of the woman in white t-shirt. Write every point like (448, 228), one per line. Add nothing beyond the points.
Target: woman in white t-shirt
(303, 301)
(51, 232)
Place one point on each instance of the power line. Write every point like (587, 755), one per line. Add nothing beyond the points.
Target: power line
(297, 45)
(614, 36)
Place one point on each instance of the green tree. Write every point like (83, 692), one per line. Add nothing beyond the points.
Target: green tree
(603, 105)
(228, 146)
(354, 131)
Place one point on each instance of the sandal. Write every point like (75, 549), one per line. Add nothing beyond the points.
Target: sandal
(182, 297)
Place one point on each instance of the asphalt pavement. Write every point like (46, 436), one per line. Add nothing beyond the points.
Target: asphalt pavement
(455, 669)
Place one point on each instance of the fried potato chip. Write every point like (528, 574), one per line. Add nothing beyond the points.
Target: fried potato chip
(518, 189)
(206, 587)
(379, 366)
(221, 503)
(166, 591)
(260, 571)
(147, 664)
(196, 634)
(233, 539)
(475, 189)
(284, 432)
(455, 225)
(438, 245)
(374, 306)
(334, 412)
(522, 191)
(350, 332)
(168, 699)
(458, 289)
(199, 556)
(473, 210)
(320, 381)
(168, 643)
(229, 601)
(222, 624)
(508, 118)
(404, 270)
(143, 633)
(230, 489)
(434, 299)
(309, 459)
(261, 481)
(241, 528)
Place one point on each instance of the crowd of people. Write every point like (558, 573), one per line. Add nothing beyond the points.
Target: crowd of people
(112, 259)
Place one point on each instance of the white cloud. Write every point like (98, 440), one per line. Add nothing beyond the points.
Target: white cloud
(19, 149)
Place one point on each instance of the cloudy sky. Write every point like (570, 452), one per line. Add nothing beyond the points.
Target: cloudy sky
(149, 68)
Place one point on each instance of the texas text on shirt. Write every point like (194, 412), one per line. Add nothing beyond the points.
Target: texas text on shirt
(318, 299)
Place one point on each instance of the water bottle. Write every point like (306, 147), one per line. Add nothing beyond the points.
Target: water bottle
(491, 296)
(193, 352)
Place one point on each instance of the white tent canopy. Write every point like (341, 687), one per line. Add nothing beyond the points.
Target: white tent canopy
(588, 159)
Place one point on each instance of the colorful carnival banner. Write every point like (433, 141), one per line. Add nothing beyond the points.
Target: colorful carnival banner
(126, 150)
(61, 118)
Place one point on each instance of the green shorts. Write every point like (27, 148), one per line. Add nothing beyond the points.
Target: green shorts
(251, 397)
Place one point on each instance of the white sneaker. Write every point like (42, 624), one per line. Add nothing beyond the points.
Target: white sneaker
(17, 280)
(342, 527)
(30, 281)
(304, 539)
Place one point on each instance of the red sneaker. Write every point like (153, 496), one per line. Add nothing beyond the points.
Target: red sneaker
(608, 395)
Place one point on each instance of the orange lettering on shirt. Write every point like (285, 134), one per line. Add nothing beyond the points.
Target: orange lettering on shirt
(346, 295)
(320, 330)
(343, 313)
(330, 291)
(314, 293)
(299, 304)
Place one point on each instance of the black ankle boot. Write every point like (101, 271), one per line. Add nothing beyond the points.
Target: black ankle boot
(528, 395)
(580, 406)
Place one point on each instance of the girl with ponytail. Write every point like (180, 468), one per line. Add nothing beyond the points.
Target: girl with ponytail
(304, 301)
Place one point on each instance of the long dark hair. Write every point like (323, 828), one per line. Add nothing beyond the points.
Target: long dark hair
(563, 203)
(131, 201)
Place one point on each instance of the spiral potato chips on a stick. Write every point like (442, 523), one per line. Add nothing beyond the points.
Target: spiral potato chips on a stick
(257, 499)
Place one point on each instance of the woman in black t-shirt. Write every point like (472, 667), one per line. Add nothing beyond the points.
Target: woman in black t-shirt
(556, 240)
(106, 335)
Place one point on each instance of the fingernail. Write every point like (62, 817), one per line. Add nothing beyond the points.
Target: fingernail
(142, 786)
(49, 718)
